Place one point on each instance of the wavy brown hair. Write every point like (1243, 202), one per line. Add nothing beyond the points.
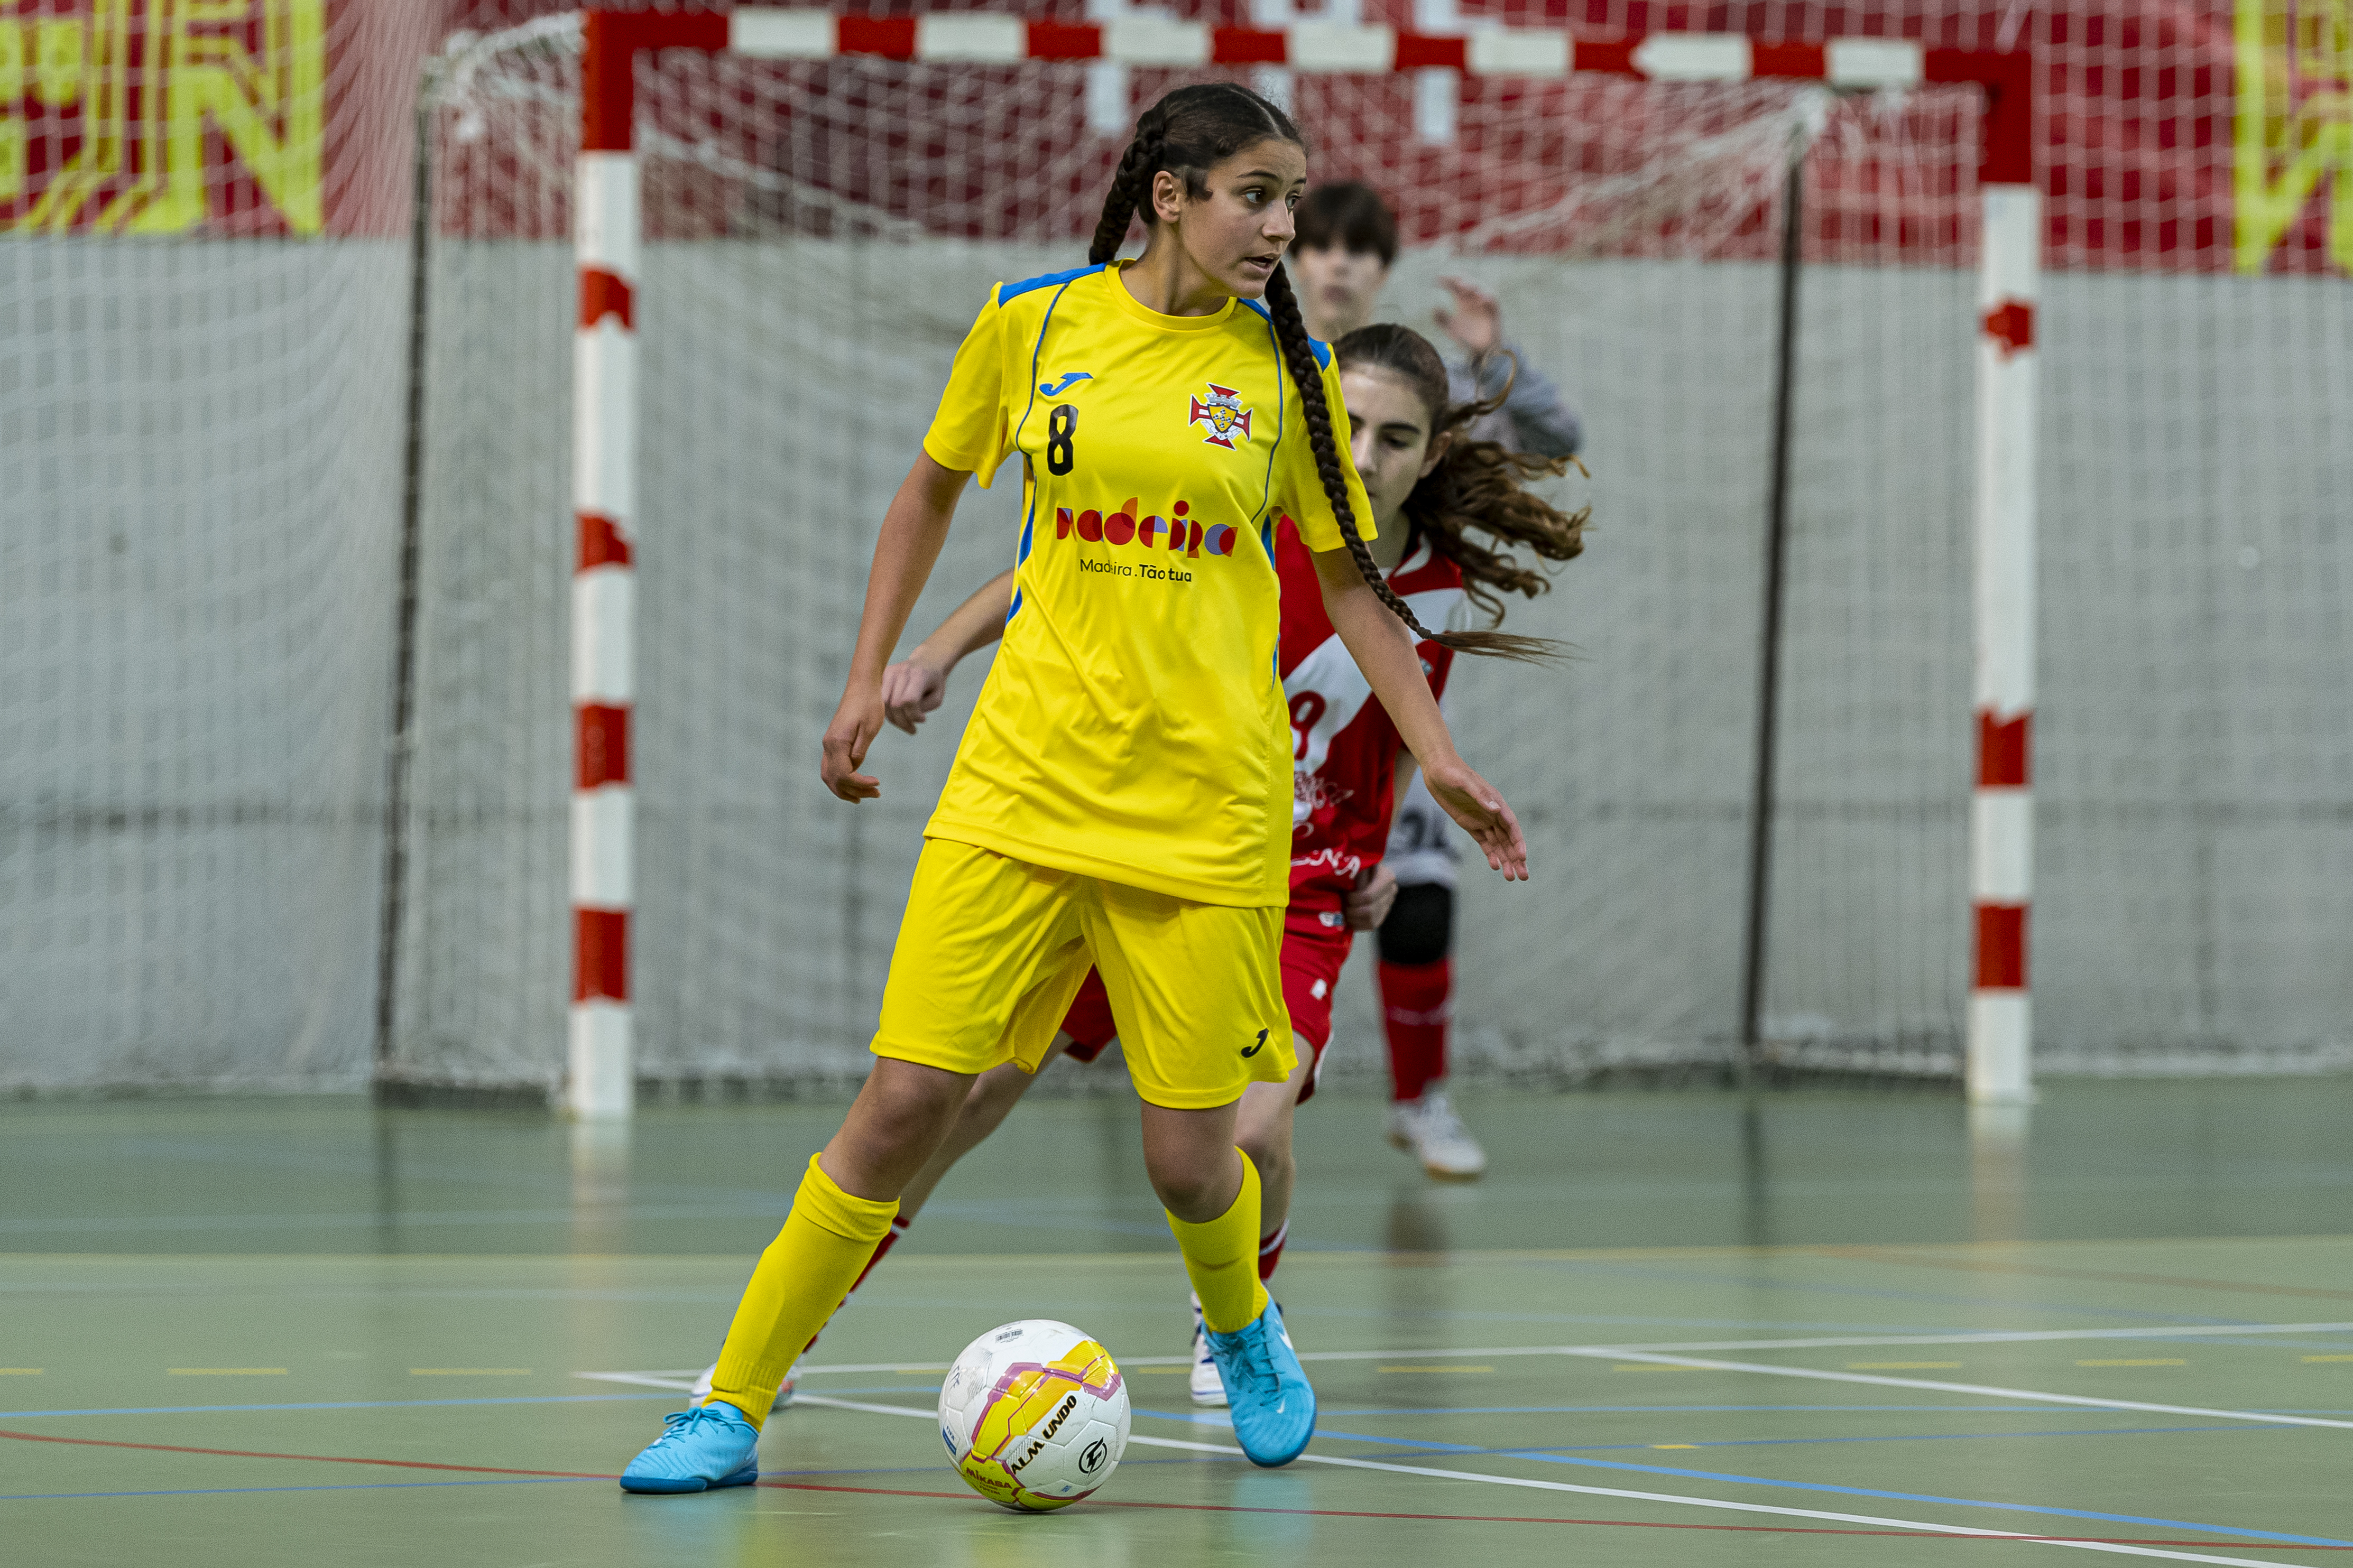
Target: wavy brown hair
(1187, 134)
(1478, 485)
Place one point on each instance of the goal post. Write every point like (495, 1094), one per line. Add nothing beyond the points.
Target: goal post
(601, 1065)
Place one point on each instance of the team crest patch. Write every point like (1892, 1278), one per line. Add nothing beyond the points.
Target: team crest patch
(1223, 413)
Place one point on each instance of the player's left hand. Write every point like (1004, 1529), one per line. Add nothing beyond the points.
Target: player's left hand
(1475, 320)
(1483, 813)
(1366, 905)
(910, 689)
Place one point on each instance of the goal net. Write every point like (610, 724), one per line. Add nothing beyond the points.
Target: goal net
(819, 236)
(205, 327)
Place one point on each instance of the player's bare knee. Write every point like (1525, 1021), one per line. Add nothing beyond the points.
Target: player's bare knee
(1195, 1186)
(995, 1093)
(1267, 1144)
(900, 1116)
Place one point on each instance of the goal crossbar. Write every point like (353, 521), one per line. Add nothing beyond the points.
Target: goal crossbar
(607, 237)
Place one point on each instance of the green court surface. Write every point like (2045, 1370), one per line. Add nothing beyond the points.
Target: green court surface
(1809, 1328)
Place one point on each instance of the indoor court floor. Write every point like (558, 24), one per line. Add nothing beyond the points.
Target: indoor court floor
(1811, 1326)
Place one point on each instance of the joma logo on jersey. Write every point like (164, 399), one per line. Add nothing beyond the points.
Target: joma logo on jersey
(1223, 413)
(1179, 534)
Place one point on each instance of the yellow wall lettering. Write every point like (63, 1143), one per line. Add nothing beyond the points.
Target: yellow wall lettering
(2294, 124)
(57, 69)
(148, 175)
(12, 60)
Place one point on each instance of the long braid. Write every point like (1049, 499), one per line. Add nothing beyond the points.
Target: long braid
(1187, 134)
(1291, 336)
(1129, 185)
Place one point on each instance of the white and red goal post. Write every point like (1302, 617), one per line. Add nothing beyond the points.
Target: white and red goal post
(600, 1063)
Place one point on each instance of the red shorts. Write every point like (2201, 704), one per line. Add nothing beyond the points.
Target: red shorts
(1312, 953)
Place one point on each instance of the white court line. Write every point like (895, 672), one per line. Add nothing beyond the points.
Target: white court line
(1991, 1337)
(1770, 1370)
(2020, 1336)
(2116, 1548)
(681, 1380)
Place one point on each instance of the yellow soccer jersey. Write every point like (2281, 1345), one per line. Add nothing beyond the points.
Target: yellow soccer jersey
(1132, 727)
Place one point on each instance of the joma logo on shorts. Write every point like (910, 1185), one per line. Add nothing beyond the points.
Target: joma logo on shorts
(1177, 533)
(1253, 1050)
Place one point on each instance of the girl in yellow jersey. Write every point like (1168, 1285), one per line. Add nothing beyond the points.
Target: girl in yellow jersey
(1121, 797)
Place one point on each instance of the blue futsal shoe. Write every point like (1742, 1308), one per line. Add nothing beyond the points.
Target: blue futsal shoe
(707, 1446)
(1274, 1408)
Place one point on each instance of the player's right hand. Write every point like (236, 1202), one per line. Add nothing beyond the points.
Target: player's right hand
(855, 725)
(910, 689)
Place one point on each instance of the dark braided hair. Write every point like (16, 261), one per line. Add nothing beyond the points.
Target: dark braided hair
(1188, 134)
(1477, 484)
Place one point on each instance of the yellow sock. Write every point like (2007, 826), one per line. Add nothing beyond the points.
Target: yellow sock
(1221, 1255)
(826, 1240)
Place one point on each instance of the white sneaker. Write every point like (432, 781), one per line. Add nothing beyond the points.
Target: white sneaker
(1430, 1128)
(1208, 1388)
(702, 1393)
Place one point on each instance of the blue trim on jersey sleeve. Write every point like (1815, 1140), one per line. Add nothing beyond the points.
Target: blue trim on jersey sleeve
(1266, 490)
(1037, 349)
(1008, 292)
(1061, 282)
(1321, 350)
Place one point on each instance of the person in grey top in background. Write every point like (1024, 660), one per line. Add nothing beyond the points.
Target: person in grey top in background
(1347, 242)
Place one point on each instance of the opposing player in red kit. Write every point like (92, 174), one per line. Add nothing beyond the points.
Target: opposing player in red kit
(1429, 488)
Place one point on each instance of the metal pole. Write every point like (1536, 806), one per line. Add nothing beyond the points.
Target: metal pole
(1768, 677)
(2002, 809)
(404, 659)
(600, 1056)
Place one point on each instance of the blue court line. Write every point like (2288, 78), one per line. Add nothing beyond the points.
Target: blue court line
(1845, 1491)
(344, 1486)
(1703, 1275)
(1891, 1438)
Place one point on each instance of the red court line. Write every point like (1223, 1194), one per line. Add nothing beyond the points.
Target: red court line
(1184, 1507)
(316, 1459)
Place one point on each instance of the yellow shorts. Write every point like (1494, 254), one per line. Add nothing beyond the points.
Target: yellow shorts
(992, 950)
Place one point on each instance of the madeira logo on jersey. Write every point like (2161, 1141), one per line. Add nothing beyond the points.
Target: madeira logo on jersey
(1061, 384)
(1223, 413)
(1178, 533)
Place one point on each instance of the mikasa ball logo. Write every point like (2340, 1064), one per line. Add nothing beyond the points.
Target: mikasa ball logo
(1177, 533)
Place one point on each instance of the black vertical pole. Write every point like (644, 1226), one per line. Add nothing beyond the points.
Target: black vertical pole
(404, 659)
(1768, 676)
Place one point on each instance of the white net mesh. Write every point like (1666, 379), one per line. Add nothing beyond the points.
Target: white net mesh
(201, 373)
(198, 562)
(819, 236)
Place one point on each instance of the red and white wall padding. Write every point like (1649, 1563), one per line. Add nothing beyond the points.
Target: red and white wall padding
(601, 1068)
(2001, 809)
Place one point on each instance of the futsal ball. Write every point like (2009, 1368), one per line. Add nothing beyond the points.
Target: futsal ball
(1034, 1414)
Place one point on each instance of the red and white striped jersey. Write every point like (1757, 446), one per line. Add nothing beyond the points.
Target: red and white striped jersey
(1343, 746)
